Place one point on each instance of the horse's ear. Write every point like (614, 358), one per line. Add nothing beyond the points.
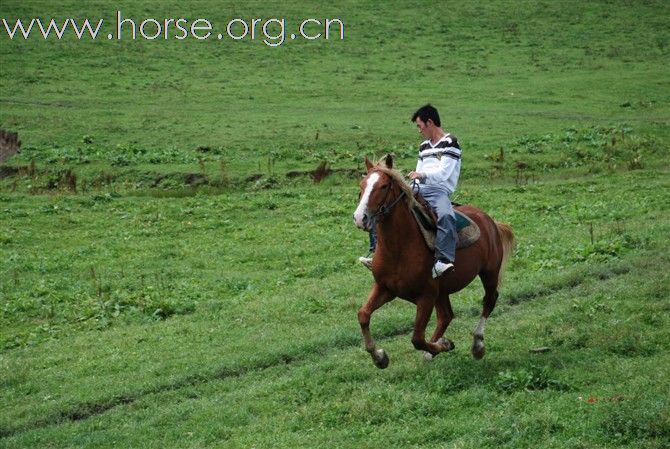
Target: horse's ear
(368, 164)
(389, 161)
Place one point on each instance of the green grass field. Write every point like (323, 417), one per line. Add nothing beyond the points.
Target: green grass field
(171, 275)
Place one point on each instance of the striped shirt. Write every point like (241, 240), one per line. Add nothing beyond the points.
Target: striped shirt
(441, 163)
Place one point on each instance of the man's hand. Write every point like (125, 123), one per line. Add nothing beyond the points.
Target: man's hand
(415, 175)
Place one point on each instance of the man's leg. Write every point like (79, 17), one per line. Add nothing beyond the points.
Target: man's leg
(367, 261)
(373, 240)
(445, 243)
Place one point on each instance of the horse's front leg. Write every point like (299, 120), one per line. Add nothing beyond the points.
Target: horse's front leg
(377, 298)
(444, 316)
(424, 309)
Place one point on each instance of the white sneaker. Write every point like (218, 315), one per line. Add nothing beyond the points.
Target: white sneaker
(366, 261)
(441, 267)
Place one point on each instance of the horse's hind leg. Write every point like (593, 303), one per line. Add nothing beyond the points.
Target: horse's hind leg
(377, 298)
(490, 282)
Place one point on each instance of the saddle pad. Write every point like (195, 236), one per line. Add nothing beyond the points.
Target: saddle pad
(462, 221)
(468, 231)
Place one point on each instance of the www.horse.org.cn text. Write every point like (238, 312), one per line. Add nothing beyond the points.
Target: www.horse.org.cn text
(272, 32)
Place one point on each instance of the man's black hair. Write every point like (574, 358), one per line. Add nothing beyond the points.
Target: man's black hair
(427, 112)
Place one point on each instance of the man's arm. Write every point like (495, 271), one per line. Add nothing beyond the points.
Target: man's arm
(417, 174)
(439, 175)
(444, 171)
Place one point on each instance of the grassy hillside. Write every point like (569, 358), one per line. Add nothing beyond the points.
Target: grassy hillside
(171, 275)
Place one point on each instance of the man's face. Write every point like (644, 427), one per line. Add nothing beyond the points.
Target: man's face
(423, 127)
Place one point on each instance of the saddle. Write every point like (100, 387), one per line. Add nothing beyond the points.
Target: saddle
(467, 230)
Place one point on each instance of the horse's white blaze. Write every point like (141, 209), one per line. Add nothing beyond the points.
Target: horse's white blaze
(479, 330)
(363, 204)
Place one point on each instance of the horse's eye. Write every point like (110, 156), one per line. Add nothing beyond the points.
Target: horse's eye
(384, 187)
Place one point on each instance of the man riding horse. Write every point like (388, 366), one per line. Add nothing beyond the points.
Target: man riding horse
(436, 175)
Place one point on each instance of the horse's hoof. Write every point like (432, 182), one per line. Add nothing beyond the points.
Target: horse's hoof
(427, 356)
(380, 358)
(447, 344)
(478, 355)
(478, 350)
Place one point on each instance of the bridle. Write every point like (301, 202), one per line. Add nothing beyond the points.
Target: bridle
(384, 209)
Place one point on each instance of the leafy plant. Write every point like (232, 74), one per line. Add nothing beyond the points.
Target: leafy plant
(528, 379)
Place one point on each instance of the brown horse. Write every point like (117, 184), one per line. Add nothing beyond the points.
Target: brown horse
(402, 262)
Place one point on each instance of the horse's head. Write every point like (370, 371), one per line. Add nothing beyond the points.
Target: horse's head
(374, 193)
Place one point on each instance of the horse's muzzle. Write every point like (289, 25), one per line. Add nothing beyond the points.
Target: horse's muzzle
(363, 221)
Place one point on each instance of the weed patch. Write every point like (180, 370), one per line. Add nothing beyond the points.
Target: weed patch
(639, 418)
(534, 378)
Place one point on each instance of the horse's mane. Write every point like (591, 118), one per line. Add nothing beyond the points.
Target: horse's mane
(399, 179)
(414, 200)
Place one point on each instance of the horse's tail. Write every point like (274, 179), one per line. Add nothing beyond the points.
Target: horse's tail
(508, 243)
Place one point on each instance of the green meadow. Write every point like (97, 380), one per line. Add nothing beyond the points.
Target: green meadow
(178, 258)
